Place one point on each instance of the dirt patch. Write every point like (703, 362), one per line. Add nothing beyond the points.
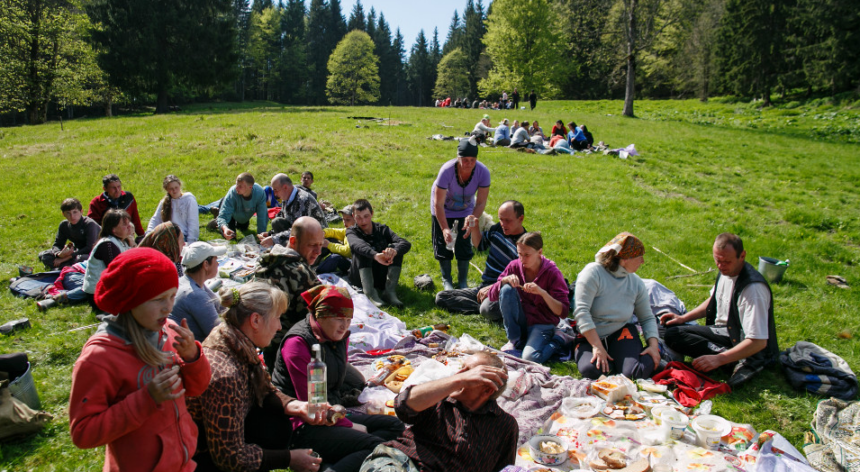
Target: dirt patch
(664, 194)
(32, 150)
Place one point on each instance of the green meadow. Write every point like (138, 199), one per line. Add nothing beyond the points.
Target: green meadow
(786, 179)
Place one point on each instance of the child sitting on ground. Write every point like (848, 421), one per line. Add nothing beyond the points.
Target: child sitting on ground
(75, 237)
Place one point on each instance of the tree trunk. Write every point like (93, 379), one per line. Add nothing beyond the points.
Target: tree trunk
(34, 115)
(630, 89)
(161, 105)
(765, 96)
(108, 104)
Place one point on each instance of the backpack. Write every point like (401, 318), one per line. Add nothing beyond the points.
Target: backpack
(33, 285)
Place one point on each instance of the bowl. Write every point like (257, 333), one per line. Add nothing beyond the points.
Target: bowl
(547, 458)
(581, 407)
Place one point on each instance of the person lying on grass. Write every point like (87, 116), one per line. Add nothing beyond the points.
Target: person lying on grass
(608, 294)
(75, 239)
(130, 383)
(533, 298)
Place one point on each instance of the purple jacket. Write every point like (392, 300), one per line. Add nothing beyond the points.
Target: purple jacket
(548, 278)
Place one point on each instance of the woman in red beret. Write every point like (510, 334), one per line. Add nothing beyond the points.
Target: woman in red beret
(130, 382)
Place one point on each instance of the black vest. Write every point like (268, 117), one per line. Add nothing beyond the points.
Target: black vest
(333, 355)
(747, 276)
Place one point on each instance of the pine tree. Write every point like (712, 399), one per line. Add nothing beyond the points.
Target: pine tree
(356, 18)
(398, 50)
(419, 72)
(153, 45)
(455, 34)
(241, 17)
(337, 25)
(473, 34)
(751, 42)
(294, 71)
(826, 40)
(387, 62)
(371, 23)
(317, 51)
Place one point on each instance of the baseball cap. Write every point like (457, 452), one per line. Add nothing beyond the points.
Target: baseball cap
(347, 210)
(195, 253)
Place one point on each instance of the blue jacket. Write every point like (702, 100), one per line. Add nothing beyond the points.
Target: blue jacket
(238, 208)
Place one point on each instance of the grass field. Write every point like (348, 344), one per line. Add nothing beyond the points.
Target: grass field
(785, 179)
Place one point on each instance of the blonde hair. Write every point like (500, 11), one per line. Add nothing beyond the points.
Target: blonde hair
(253, 297)
(145, 351)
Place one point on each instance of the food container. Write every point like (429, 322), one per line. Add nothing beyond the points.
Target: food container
(547, 458)
(581, 407)
(673, 424)
(710, 429)
(657, 411)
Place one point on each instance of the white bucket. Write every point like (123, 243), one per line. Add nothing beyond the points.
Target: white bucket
(710, 429)
(673, 424)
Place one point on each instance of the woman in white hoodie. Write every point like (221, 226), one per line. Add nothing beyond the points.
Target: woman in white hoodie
(178, 207)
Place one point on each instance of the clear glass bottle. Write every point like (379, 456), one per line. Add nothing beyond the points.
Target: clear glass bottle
(317, 388)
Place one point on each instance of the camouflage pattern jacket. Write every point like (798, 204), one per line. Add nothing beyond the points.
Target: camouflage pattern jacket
(303, 205)
(286, 269)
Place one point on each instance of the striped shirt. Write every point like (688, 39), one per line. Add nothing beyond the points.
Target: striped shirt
(503, 249)
(450, 438)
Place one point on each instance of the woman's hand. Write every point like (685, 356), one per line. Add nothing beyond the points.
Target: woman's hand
(446, 233)
(600, 358)
(534, 289)
(302, 460)
(185, 345)
(652, 350)
(162, 386)
(300, 409)
(511, 280)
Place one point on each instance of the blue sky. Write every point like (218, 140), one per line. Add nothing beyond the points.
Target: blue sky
(412, 16)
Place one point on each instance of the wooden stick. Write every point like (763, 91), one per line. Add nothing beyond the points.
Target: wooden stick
(691, 275)
(673, 259)
(77, 329)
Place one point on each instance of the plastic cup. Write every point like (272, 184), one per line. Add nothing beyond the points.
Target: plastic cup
(710, 430)
(673, 423)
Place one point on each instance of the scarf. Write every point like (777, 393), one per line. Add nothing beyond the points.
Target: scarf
(626, 246)
(165, 239)
(231, 340)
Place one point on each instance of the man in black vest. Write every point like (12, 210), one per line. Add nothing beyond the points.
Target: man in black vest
(739, 329)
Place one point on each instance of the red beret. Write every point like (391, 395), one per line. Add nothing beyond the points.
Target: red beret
(134, 277)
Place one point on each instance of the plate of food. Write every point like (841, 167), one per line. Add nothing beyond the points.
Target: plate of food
(625, 409)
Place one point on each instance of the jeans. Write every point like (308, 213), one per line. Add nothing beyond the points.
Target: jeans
(73, 282)
(538, 346)
(335, 264)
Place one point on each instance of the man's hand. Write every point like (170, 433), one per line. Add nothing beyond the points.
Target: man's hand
(707, 363)
(482, 376)
(228, 233)
(66, 252)
(447, 235)
(670, 319)
(511, 280)
(325, 242)
(382, 259)
(390, 253)
(483, 293)
(267, 241)
(469, 223)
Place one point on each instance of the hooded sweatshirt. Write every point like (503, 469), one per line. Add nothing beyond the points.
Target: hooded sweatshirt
(535, 308)
(111, 405)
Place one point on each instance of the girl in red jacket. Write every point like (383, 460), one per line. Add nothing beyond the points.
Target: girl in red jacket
(130, 382)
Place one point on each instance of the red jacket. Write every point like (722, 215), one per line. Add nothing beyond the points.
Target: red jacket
(110, 405)
(100, 205)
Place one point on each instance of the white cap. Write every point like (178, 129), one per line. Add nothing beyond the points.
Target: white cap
(195, 253)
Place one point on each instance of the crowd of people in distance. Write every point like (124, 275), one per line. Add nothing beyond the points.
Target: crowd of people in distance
(503, 103)
(530, 136)
(182, 377)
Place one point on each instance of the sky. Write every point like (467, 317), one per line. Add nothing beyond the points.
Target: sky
(412, 16)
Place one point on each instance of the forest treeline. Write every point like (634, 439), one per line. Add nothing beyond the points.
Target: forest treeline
(59, 54)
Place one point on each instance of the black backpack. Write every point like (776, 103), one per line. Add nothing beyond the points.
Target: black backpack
(33, 285)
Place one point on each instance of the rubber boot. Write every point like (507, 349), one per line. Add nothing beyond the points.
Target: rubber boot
(45, 304)
(463, 274)
(445, 265)
(367, 287)
(390, 294)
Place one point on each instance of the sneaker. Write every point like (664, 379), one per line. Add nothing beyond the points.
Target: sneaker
(507, 347)
(212, 225)
(214, 211)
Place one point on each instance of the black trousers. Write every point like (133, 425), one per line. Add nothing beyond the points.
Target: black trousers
(625, 347)
(696, 340)
(344, 449)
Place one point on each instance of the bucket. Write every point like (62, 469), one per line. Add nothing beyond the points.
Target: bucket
(24, 389)
(674, 423)
(771, 269)
(710, 430)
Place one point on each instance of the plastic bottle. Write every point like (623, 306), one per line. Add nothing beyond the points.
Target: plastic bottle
(317, 388)
(422, 332)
